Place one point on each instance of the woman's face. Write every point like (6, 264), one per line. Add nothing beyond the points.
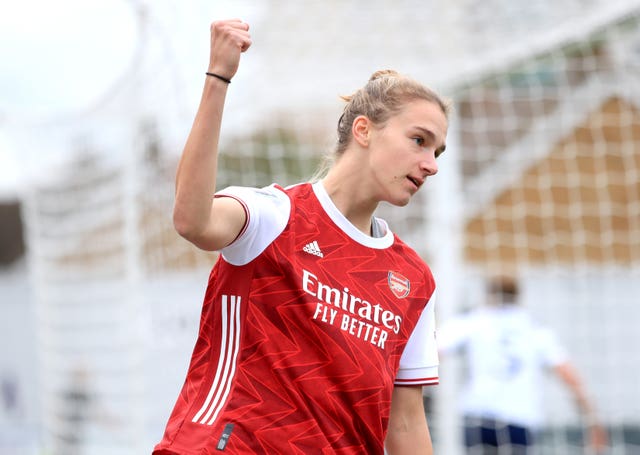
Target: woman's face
(403, 152)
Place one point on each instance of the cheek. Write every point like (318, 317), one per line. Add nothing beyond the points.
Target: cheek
(387, 161)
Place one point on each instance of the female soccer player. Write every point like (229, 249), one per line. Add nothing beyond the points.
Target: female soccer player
(317, 328)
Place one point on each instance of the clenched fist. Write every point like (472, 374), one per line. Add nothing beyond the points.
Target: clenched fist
(229, 38)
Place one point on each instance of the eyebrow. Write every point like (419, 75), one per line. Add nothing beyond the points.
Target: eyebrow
(439, 150)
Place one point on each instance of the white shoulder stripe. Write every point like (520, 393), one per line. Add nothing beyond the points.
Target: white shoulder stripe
(229, 347)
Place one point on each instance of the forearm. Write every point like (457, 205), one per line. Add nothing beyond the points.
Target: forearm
(196, 174)
(597, 435)
(569, 376)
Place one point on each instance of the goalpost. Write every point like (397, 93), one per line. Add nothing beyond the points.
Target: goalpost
(541, 176)
(549, 174)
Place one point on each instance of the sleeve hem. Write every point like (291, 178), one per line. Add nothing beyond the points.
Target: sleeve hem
(417, 381)
(417, 376)
(246, 212)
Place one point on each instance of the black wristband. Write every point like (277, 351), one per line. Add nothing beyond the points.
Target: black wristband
(217, 76)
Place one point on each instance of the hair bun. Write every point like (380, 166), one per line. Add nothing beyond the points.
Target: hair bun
(383, 73)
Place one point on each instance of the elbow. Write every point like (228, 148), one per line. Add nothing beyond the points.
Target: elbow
(193, 230)
(181, 227)
(184, 226)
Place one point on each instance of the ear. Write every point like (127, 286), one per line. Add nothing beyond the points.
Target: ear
(361, 129)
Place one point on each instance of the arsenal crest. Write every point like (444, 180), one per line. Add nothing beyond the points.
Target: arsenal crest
(399, 285)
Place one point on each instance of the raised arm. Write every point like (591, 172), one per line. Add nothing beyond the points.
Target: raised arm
(209, 223)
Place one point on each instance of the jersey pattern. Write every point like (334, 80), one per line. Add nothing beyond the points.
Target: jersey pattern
(298, 349)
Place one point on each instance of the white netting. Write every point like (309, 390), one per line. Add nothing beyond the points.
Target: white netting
(541, 175)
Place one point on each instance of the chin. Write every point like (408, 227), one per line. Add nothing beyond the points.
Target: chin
(400, 202)
(399, 198)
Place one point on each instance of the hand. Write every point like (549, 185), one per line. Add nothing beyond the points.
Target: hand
(597, 438)
(229, 38)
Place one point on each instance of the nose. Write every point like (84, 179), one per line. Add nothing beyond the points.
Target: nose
(429, 165)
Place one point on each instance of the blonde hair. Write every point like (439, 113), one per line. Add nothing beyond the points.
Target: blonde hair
(382, 97)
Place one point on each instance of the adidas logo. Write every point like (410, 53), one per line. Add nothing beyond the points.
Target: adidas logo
(313, 248)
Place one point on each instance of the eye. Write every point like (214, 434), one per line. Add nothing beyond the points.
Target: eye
(419, 141)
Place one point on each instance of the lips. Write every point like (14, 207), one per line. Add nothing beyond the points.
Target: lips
(416, 181)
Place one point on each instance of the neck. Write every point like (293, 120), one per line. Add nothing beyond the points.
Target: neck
(348, 194)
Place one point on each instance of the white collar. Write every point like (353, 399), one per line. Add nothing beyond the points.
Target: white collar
(347, 227)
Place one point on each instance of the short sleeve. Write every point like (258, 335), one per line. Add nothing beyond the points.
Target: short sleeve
(419, 361)
(267, 211)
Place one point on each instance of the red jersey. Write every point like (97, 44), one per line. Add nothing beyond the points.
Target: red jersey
(303, 334)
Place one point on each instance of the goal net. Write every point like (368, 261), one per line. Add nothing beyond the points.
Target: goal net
(541, 178)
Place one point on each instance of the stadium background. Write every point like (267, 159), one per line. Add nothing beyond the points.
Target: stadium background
(541, 177)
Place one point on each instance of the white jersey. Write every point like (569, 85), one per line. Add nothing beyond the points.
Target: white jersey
(507, 355)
